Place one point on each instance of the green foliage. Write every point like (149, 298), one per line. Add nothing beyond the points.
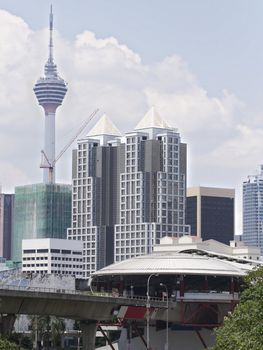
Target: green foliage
(21, 340)
(49, 329)
(26, 343)
(243, 328)
(7, 345)
(57, 330)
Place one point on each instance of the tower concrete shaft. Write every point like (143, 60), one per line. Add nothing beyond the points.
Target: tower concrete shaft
(50, 91)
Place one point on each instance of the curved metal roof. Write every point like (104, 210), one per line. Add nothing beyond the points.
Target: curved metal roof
(176, 263)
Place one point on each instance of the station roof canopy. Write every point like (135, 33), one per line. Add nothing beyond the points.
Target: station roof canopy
(175, 263)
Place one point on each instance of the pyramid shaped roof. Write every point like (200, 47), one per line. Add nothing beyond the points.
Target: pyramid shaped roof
(152, 119)
(104, 127)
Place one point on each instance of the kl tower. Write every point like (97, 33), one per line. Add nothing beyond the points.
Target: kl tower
(50, 92)
(43, 210)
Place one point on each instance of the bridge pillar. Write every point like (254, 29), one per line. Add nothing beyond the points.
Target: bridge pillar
(7, 324)
(88, 329)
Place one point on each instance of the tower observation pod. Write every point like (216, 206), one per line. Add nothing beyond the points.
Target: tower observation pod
(50, 92)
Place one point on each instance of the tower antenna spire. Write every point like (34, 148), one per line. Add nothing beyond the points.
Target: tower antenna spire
(51, 58)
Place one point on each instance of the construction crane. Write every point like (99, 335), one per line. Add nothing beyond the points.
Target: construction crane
(45, 163)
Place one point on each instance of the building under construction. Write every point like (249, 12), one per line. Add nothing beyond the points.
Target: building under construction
(41, 211)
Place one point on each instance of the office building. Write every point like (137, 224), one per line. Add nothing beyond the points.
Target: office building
(52, 256)
(253, 210)
(128, 191)
(6, 224)
(210, 213)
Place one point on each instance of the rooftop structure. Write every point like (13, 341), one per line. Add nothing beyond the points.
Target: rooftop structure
(152, 119)
(104, 127)
(234, 250)
(50, 92)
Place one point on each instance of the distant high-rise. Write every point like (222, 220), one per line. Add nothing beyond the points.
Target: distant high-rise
(50, 92)
(128, 192)
(6, 224)
(210, 213)
(253, 210)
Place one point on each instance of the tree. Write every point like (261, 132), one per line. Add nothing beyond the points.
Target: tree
(21, 340)
(243, 328)
(47, 329)
(7, 345)
(57, 330)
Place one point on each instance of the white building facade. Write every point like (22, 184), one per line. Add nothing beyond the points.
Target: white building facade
(253, 210)
(52, 256)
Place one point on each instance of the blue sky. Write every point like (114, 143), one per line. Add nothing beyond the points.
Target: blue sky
(221, 40)
(199, 62)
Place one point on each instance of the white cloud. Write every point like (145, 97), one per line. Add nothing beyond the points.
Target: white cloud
(223, 146)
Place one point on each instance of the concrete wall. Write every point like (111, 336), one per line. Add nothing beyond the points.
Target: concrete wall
(53, 281)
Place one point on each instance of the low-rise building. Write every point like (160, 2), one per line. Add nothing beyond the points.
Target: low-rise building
(236, 249)
(52, 256)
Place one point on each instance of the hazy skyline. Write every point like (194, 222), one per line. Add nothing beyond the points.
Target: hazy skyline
(199, 63)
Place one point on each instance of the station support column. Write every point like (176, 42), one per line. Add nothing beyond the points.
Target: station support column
(7, 324)
(88, 329)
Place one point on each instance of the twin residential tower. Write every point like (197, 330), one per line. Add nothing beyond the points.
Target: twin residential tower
(128, 191)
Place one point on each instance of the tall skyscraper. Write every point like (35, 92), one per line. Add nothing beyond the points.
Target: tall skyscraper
(210, 213)
(95, 194)
(253, 210)
(6, 224)
(152, 187)
(44, 210)
(128, 191)
(50, 92)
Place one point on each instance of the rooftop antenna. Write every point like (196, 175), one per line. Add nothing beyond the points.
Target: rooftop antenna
(51, 35)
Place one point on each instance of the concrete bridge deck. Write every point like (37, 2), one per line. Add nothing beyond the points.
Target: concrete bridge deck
(65, 303)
